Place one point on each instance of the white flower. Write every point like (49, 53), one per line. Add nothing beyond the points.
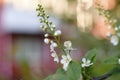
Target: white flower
(46, 35)
(68, 45)
(52, 46)
(114, 40)
(65, 61)
(55, 56)
(46, 40)
(86, 63)
(118, 61)
(57, 33)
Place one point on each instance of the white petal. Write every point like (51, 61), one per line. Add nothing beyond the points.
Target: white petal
(67, 44)
(56, 59)
(69, 57)
(91, 64)
(88, 61)
(63, 56)
(62, 61)
(53, 54)
(65, 68)
(83, 60)
(51, 48)
(83, 65)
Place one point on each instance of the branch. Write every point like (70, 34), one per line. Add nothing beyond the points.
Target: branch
(103, 77)
(114, 71)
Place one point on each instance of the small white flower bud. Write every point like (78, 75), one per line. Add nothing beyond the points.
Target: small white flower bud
(54, 44)
(57, 33)
(46, 40)
(46, 35)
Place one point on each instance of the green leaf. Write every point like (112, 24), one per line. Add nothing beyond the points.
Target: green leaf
(57, 77)
(49, 77)
(73, 71)
(111, 60)
(91, 55)
(60, 71)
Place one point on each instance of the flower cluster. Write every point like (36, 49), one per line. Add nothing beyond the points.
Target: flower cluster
(65, 58)
(55, 43)
(113, 36)
(49, 27)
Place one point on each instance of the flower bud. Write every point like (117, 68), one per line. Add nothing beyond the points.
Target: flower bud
(57, 33)
(46, 40)
(46, 35)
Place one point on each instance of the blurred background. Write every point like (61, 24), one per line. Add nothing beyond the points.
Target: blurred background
(23, 54)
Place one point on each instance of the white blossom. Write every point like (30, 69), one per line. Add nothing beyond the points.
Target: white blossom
(57, 33)
(114, 40)
(119, 61)
(46, 40)
(66, 59)
(52, 46)
(86, 62)
(68, 45)
(55, 56)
